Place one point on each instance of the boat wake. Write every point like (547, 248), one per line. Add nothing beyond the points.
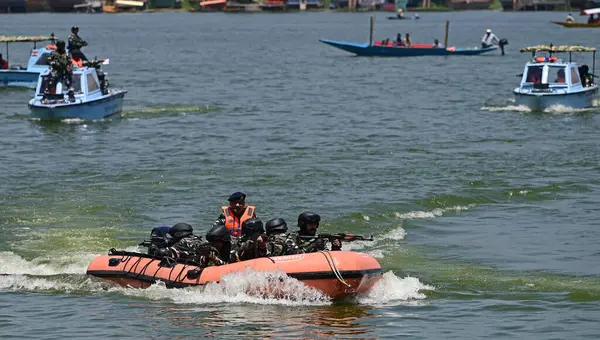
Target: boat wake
(167, 111)
(554, 109)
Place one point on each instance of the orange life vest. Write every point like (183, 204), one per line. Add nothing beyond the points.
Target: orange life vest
(79, 62)
(233, 223)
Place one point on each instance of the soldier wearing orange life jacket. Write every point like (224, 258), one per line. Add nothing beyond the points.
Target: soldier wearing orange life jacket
(235, 214)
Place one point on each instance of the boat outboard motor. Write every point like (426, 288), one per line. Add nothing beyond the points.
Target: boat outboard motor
(252, 227)
(276, 226)
(501, 44)
(159, 238)
(180, 230)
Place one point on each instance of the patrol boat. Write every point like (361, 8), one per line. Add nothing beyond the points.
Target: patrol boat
(549, 81)
(91, 98)
(18, 75)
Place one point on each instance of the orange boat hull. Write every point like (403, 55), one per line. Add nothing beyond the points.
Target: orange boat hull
(337, 274)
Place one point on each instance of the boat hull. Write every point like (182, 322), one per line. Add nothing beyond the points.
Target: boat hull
(316, 270)
(108, 106)
(20, 78)
(575, 24)
(542, 101)
(392, 51)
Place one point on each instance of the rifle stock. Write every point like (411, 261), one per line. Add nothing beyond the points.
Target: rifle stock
(339, 236)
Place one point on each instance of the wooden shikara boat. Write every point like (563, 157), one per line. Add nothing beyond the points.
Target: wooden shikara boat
(576, 24)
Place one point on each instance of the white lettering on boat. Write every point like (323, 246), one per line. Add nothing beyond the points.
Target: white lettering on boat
(288, 258)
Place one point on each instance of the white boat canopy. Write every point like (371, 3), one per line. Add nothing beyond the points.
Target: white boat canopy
(9, 39)
(558, 49)
(592, 11)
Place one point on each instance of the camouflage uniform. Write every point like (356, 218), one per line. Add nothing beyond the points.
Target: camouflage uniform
(248, 248)
(304, 245)
(280, 244)
(194, 249)
(61, 67)
(75, 45)
(75, 42)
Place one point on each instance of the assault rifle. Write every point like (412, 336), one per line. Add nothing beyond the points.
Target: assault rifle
(339, 236)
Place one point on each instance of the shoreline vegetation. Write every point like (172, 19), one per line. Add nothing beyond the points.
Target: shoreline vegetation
(194, 6)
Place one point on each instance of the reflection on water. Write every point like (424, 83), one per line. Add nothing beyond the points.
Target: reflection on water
(262, 321)
(61, 127)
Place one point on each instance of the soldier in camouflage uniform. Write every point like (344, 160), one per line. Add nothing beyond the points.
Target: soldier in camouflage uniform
(253, 242)
(61, 67)
(220, 238)
(308, 222)
(76, 43)
(278, 241)
(187, 246)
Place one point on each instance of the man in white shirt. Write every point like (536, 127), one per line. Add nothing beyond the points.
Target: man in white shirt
(570, 18)
(489, 39)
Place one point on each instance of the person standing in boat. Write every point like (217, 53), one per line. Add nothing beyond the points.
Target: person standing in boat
(308, 222)
(253, 242)
(489, 39)
(3, 63)
(61, 68)
(235, 214)
(76, 43)
(187, 246)
(436, 44)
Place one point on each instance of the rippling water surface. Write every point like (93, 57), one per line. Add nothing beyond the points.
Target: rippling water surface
(484, 214)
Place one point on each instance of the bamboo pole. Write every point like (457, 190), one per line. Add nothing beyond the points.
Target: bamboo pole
(446, 36)
(371, 30)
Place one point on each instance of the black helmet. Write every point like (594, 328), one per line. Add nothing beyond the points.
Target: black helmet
(308, 217)
(181, 230)
(276, 226)
(218, 233)
(252, 226)
(60, 44)
(74, 28)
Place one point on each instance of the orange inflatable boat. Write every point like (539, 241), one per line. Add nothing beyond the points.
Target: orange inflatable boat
(338, 274)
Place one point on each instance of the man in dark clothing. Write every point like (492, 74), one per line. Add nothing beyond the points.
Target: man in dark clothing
(253, 242)
(308, 222)
(61, 68)
(187, 246)
(220, 238)
(76, 43)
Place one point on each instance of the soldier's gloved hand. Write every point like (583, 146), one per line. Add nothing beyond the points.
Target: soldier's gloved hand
(262, 244)
(336, 244)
